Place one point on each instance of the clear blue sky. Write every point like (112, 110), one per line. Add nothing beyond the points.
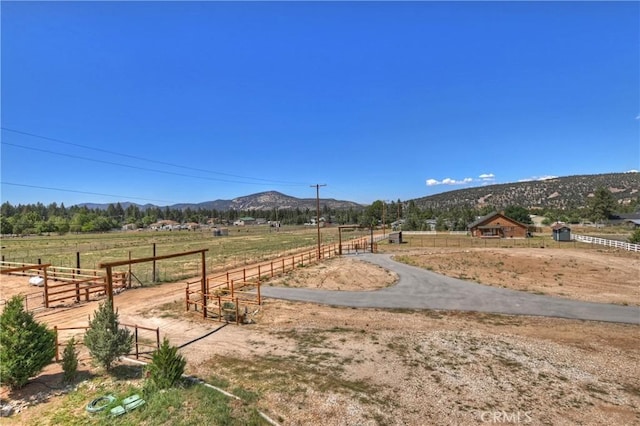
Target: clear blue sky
(169, 102)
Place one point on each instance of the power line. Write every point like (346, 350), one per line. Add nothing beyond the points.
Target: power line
(269, 181)
(112, 163)
(86, 192)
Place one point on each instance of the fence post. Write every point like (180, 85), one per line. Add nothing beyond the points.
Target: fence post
(204, 303)
(205, 288)
(157, 338)
(136, 333)
(46, 289)
(259, 303)
(153, 272)
(237, 312)
(186, 296)
(55, 331)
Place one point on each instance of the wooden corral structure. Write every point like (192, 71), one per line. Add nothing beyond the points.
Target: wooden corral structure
(231, 296)
(108, 266)
(497, 225)
(66, 285)
(356, 245)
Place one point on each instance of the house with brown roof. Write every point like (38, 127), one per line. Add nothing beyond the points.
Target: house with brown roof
(497, 225)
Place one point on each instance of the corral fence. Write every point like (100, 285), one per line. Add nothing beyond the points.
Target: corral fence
(145, 340)
(65, 285)
(231, 296)
(31, 301)
(604, 242)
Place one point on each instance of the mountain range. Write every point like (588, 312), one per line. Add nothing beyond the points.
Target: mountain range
(562, 193)
(261, 201)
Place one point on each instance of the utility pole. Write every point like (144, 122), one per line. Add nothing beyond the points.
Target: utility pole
(318, 213)
(383, 219)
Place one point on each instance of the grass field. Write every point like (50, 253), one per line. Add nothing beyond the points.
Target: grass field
(242, 246)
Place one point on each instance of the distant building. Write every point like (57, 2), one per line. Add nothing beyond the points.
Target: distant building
(629, 219)
(497, 225)
(247, 220)
(561, 232)
(395, 237)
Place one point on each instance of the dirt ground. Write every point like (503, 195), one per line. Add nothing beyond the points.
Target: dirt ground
(314, 364)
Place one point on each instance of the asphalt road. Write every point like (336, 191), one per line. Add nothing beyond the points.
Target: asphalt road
(421, 289)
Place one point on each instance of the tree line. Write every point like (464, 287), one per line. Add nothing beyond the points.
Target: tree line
(53, 218)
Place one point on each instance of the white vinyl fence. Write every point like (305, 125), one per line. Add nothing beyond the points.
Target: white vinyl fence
(602, 241)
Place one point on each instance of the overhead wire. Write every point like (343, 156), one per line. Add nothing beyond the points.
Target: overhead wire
(79, 157)
(138, 158)
(86, 192)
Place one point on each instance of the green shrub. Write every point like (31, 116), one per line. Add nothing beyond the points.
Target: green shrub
(105, 340)
(26, 346)
(70, 361)
(635, 237)
(166, 367)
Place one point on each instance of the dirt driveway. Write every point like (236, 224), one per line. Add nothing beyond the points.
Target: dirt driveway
(313, 364)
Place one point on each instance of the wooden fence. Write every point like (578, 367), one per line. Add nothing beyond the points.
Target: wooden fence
(230, 295)
(150, 343)
(609, 243)
(70, 285)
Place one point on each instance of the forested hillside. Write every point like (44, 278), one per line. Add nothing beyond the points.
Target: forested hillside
(564, 193)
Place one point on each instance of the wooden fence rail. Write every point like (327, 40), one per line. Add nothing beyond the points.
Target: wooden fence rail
(138, 342)
(237, 286)
(66, 284)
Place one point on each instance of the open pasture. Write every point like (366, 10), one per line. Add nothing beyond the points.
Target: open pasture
(243, 245)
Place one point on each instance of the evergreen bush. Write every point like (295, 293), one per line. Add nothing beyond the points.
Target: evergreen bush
(70, 361)
(26, 346)
(166, 367)
(105, 340)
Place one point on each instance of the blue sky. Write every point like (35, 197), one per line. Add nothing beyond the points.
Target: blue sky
(169, 102)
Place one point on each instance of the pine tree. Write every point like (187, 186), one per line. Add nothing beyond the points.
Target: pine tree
(105, 340)
(26, 346)
(635, 237)
(70, 361)
(601, 205)
(166, 367)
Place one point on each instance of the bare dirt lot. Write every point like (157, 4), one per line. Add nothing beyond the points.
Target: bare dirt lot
(314, 364)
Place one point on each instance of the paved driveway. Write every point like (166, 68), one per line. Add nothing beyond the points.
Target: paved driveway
(418, 288)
